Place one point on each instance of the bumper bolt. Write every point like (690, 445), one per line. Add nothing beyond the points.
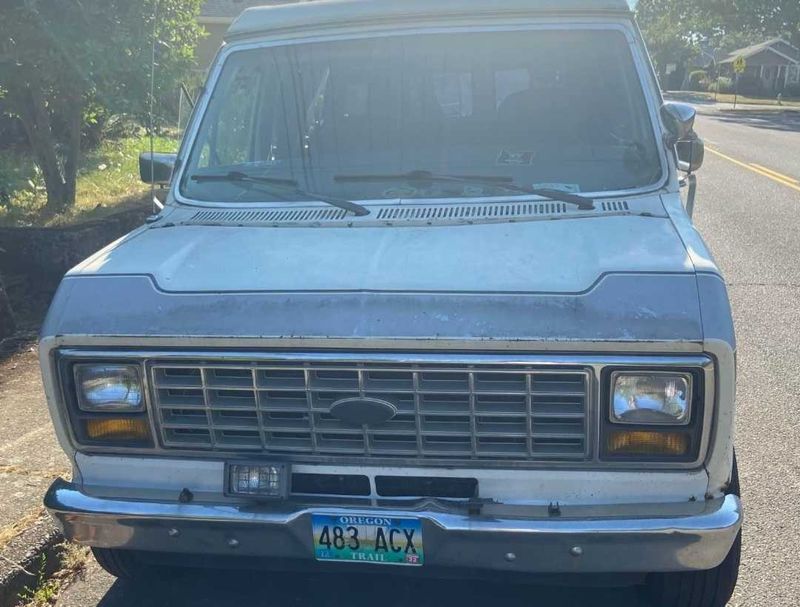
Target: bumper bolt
(576, 551)
(233, 542)
(173, 532)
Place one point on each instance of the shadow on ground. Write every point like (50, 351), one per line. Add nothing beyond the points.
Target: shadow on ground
(284, 590)
(777, 120)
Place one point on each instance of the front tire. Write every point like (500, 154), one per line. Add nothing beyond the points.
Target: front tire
(712, 588)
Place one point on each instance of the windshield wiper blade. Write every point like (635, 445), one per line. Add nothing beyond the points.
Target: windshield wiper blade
(288, 186)
(499, 181)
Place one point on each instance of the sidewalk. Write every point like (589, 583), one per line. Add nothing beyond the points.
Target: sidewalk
(30, 458)
(715, 107)
(709, 106)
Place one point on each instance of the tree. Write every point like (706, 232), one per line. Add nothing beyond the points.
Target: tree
(674, 29)
(58, 58)
(668, 31)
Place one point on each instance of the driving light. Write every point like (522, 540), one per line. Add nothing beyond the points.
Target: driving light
(121, 429)
(109, 387)
(651, 398)
(636, 442)
(264, 480)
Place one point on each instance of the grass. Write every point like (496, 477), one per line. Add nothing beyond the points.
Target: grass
(46, 589)
(108, 180)
(789, 102)
(9, 532)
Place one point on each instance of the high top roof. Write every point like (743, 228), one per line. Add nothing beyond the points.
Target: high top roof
(329, 13)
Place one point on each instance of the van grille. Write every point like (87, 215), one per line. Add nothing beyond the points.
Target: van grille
(444, 412)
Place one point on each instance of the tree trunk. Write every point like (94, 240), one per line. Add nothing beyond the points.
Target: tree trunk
(32, 110)
(7, 323)
(74, 118)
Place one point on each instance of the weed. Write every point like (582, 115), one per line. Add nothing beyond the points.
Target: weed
(45, 591)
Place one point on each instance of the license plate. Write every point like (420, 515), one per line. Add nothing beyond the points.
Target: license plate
(368, 539)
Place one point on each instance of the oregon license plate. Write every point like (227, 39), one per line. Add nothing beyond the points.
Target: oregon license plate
(368, 539)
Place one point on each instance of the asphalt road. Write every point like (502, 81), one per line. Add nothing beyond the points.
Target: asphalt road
(750, 215)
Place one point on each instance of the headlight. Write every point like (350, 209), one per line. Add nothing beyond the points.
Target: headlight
(109, 387)
(651, 398)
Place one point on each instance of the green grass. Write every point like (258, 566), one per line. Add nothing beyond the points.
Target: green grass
(746, 100)
(107, 181)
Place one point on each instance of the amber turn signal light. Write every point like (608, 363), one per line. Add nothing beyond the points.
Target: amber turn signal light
(640, 442)
(123, 429)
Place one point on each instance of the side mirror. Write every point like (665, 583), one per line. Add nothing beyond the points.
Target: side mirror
(156, 168)
(691, 153)
(679, 120)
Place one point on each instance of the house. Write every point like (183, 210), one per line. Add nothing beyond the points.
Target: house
(771, 67)
(216, 16)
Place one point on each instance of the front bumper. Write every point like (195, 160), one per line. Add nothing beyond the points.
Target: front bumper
(582, 539)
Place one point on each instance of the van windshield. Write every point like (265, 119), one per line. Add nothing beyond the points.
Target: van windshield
(537, 109)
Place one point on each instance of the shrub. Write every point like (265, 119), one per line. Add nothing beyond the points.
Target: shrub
(722, 85)
(696, 79)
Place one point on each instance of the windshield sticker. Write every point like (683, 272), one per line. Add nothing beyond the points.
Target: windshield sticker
(572, 188)
(515, 158)
(401, 192)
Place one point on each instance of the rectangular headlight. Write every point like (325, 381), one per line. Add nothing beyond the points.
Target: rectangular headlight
(105, 387)
(651, 398)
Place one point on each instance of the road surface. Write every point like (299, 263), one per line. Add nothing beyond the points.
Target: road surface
(749, 211)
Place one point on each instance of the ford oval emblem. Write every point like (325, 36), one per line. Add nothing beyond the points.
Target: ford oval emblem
(363, 411)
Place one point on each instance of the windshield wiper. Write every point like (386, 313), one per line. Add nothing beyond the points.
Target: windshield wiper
(504, 183)
(278, 185)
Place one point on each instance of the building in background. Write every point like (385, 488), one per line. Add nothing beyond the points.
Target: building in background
(772, 67)
(216, 16)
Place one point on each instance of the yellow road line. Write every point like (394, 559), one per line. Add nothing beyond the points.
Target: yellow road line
(774, 178)
(776, 173)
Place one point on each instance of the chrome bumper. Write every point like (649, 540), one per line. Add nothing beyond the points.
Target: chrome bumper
(620, 539)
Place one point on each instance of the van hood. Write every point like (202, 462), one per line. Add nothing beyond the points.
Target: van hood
(570, 284)
(567, 255)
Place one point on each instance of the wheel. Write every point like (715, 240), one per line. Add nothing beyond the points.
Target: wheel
(123, 564)
(712, 588)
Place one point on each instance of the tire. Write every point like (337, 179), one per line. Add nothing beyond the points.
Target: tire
(122, 564)
(712, 588)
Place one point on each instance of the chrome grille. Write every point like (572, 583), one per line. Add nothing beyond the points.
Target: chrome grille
(445, 412)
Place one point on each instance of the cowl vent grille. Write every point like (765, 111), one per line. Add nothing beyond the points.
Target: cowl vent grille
(486, 211)
(405, 214)
(270, 216)
(615, 206)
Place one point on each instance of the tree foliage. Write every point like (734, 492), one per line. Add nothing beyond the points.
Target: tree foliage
(63, 62)
(676, 30)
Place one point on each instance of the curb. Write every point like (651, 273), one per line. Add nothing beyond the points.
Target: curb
(28, 559)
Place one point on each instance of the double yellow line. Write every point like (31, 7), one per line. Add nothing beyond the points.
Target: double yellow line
(789, 182)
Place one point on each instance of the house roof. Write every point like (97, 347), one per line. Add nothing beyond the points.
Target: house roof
(230, 9)
(324, 13)
(791, 53)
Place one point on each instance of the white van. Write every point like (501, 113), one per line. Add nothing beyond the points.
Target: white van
(424, 294)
